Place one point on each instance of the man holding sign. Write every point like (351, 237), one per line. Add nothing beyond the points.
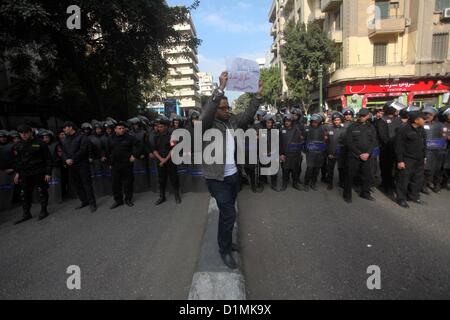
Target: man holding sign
(222, 178)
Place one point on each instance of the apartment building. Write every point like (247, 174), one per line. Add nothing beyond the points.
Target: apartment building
(183, 70)
(389, 50)
(206, 83)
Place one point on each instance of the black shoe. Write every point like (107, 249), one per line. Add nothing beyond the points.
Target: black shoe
(437, 189)
(283, 187)
(129, 203)
(348, 200)
(425, 191)
(235, 247)
(298, 186)
(83, 205)
(314, 187)
(177, 198)
(306, 188)
(368, 197)
(229, 261)
(274, 188)
(330, 187)
(24, 218)
(116, 205)
(160, 201)
(93, 208)
(403, 204)
(260, 188)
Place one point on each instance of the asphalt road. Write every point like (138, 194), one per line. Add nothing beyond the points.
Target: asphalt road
(299, 245)
(138, 253)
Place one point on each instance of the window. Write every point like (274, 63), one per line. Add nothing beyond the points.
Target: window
(338, 20)
(440, 47)
(442, 4)
(379, 54)
(384, 7)
(340, 58)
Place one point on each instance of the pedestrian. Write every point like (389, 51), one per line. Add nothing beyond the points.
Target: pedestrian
(166, 168)
(222, 178)
(410, 150)
(121, 153)
(76, 148)
(291, 146)
(33, 166)
(336, 149)
(360, 140)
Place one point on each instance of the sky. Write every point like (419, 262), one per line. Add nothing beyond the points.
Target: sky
(231, 28)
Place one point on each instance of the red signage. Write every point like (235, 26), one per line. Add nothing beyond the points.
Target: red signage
(401, 86)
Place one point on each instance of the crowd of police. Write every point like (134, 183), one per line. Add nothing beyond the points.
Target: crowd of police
(97, 159)
(404, 151)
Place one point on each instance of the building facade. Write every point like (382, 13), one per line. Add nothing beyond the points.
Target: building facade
(206, 84)
(388, 50)
(183, 70)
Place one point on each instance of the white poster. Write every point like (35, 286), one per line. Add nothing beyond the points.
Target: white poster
(243, 75)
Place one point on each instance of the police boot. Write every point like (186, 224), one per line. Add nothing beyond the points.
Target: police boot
(162, 198)
(437, 188)
(44, 204)
(273, 184)
(296, 185)
(26, 215)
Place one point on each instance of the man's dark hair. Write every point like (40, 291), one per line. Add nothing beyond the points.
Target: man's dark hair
(70, 124)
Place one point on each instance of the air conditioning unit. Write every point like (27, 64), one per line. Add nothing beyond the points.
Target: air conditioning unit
(445, 14)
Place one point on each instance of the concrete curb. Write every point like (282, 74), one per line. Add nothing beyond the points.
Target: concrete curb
(213, 280)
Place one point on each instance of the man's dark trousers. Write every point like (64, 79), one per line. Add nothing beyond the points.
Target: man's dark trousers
(225, 192)
(168, 171)
(357, 167)
(122, 182)
(410, 180)
(28, 183)
(80, 175)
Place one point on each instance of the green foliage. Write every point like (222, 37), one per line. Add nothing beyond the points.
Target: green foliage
(104, 69)
(273, 85)
(306, 48)
(242, 102)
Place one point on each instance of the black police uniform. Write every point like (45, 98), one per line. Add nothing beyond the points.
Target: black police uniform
(161, 144)
(435, 155)
(315, 146)
(119, 151)
(252, 169)
(336, 153)
(386, 130)
(291, 146)
(33, 162)
(360, 138)
(77, 148)
(410, 148)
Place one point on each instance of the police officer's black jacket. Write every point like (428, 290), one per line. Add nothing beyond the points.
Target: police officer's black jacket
(77, 148)
(121, 148)
(360, 138)
(32, 157)
(410, 143)
(161, 143)
(386, 130)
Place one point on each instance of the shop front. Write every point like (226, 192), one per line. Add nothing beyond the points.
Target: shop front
(374, 95)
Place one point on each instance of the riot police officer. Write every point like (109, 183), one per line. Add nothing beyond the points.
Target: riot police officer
(436, 150)
(360, 140)
(336, 149)
(410, 150)
(446, 116)
(122, 152)
(349, 115)
(315, 146)
(166, 168)
(291, 145)
(76, 147)
(386, 130)
(33, 167)
(269, 125)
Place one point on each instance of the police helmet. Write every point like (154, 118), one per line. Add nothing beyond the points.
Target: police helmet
(336, 115)
(316, 117)
(4, 133)
(348, 111)
(86, 125)
(163, 120)
(194, 115)
(288, 117)
(430, 110)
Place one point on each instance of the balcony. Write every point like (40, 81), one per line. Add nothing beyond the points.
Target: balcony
(274, 47)
(273, 31)
(318, 14)
(181, 83)
(329, 5)
(336, 36)
(393, 25)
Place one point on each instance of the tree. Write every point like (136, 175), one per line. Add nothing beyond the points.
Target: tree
(273, 85)
(242, 102)
(99, 70)
(306, 48)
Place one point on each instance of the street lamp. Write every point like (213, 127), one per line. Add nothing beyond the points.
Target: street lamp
(321, 87)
